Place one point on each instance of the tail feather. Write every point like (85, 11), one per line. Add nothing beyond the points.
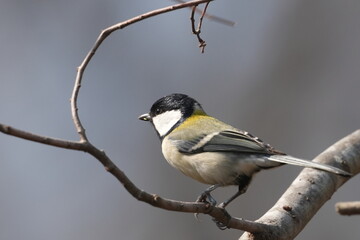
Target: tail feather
(305, 163)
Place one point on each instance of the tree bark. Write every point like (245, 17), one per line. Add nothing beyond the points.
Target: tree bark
(309, 191)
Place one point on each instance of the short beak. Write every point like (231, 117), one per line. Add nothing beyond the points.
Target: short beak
(145, 117)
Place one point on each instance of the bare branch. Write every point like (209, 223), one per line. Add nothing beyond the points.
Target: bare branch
(309, 191)
(197, 31)
(152, 199)
(85, 145)
(285, 220)
(348, 208)
(103, 35)
(213, 17)
(294, 209)
(41, 139)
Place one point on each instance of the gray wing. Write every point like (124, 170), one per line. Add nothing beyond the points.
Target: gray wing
(226, 141)
(243, 142)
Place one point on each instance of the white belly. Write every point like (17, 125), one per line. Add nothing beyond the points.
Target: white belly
(209, 167)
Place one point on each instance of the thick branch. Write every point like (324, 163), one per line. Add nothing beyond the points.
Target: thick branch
(291, 213)
(294, 209)
(309, 191)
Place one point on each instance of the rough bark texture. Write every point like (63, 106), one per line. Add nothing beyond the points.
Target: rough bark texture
(309, 191)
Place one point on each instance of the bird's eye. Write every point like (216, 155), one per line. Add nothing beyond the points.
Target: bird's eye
(157, 111)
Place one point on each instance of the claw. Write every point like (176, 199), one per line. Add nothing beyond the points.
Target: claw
(202, 198)
(220, 225)
(206, 197)
(221, 205)
(211, 200)
(196, 215)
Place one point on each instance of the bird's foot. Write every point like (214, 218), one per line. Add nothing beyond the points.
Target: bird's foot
(205, 197)
(220, 225)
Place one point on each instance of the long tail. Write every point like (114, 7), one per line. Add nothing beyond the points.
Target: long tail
(305, 163)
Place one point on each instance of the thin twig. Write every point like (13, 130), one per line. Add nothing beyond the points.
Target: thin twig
(192, 19)
(197, 31)
(103, 35)
(213, 17)
(85, 145)
(348, 208)
(152, 199)
(202, 42)
(55, 142)
(347, 149)
(202, 16)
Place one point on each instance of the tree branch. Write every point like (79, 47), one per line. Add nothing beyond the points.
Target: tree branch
(55, 142)
(348, 208)
(197, 31)
(284, 221)
(152, 199)
(213, 17)
(309, 191)
(85, 145)
(103, 35)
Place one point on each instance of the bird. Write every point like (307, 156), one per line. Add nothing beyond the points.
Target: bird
(213, 152)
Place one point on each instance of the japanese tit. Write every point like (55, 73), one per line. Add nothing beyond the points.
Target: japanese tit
(213, 152)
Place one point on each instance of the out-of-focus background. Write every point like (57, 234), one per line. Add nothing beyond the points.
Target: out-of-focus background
(288, 72)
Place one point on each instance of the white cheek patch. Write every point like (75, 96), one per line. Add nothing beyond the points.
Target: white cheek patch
(165, 121)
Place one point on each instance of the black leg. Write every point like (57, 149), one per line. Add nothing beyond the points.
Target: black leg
(243, 182)
(238, 193)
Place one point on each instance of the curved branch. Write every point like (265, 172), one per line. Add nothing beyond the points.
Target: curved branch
(152, 199)
(309, 191)
(213, 17)
(285, 220)
(103, 35)
(294, 209)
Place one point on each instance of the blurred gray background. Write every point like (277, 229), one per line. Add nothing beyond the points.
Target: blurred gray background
(288, 72)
